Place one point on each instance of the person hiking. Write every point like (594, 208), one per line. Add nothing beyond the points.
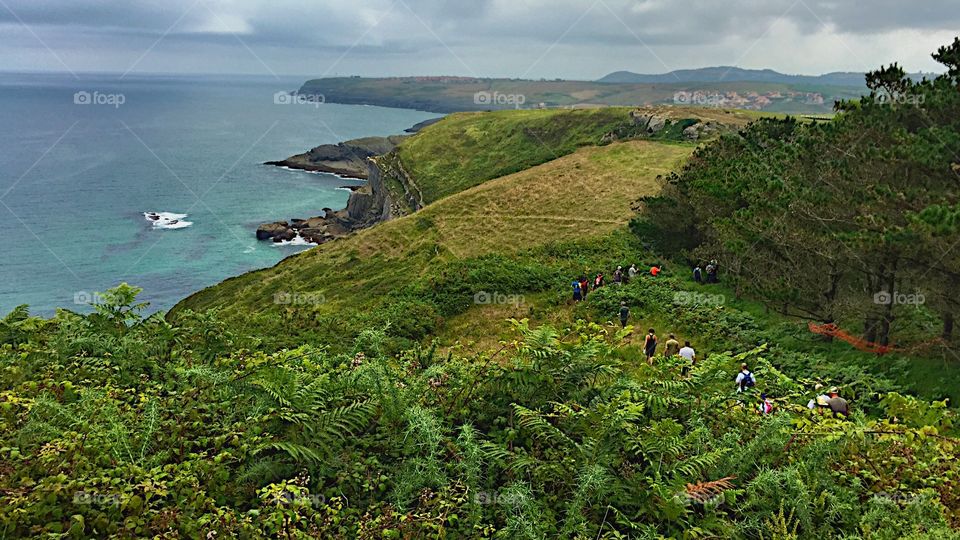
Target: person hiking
(745, 379)
(838, 405)
(584, 287)
(698, 275)
(577, 294)
(598, 281)
(618, 276)
(687, 353)
(820, 402)
(655, 270)
(712, 269)
(672, 347)
(650, 345)
(632, 271)
(766, 405)
(624, 314)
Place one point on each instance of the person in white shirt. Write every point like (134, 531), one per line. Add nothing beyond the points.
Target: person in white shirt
(688, 354)
(745, 379)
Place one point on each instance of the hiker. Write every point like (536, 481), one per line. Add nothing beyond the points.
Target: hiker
(577, 293)
(672, 347)
(655, 270)
(632, 271)
(624, 314)
(687, 353)
(698, 275)
(712, 269)
(838, 405)
(766, 405)
(820, 402)
(598, 281)
(745, 379)
(618, 276)
(650, 345)
(584, 287)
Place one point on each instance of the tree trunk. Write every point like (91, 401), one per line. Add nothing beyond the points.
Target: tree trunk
(947, 327)
(888, 309)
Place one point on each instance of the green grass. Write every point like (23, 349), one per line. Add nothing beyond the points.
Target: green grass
(467, 149)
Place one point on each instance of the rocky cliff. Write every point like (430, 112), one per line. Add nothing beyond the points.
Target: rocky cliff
(347, 159)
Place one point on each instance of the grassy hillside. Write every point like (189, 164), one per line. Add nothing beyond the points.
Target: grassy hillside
(578, 197)
(466, 149)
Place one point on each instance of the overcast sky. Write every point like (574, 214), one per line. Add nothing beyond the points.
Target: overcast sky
(576, 39)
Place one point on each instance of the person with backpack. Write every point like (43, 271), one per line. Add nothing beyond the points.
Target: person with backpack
(745, 379)
(624, 314)
(577, 293)
(584, 287)
(766, 405)
(632, 271)
(838, 405)
(598, 281)
(711, 273)
(650, 345)
(618, 276)
(698, 275)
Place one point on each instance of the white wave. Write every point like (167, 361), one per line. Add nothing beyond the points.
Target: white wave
(297, 241)
(167, 220)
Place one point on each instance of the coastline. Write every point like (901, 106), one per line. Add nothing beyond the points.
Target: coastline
(367, 205)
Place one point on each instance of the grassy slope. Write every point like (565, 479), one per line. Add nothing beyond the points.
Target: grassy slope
(469, 148)
(587, 194)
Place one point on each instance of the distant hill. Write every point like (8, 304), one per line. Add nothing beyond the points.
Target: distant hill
(735, 74)
(458, 94)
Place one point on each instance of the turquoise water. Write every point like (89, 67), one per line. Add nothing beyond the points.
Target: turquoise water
(75, 180)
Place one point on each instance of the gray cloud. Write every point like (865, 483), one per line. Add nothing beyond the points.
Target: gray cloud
(569, 38)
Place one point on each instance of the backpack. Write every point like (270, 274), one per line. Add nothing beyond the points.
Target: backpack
(766, 407)
(747, 381)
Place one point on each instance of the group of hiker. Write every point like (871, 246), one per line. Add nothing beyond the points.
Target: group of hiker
(582, 285)
(708, 274)
(824, 403)
(828, 403)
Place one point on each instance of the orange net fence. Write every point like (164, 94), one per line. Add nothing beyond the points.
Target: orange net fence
(832, 330)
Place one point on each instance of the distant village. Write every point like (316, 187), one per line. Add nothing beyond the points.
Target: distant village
(746, 100)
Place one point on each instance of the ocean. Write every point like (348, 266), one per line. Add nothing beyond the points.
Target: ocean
(82, 159)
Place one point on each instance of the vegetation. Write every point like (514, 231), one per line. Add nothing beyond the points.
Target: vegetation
(852, 221)
(365, 389)
(115, 425)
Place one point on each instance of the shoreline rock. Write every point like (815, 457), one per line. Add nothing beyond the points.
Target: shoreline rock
(367, 205)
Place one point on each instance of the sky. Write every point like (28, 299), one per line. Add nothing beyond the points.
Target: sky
(571, 39)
